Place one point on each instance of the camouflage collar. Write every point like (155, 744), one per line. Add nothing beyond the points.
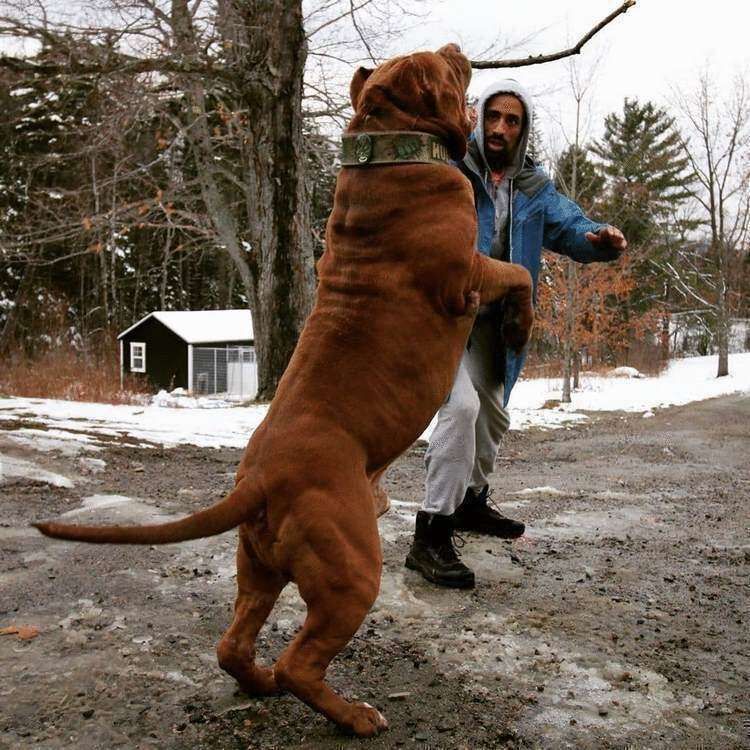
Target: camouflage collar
(392, 147)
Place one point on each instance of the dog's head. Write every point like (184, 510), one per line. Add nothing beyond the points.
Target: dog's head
(425, 91)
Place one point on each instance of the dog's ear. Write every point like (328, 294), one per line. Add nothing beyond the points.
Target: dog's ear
(443, 104)
(355, 87)
(461, 64)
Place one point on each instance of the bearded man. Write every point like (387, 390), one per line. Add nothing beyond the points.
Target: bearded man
(519, 211)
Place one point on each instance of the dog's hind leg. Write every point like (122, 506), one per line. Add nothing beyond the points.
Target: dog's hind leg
(339, 581)
(258, 588)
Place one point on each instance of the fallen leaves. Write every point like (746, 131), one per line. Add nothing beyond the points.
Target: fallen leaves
(24, 632)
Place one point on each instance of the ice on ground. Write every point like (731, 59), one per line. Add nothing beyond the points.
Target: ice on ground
(17, 468)
(123, 509)
(95, 502)
(685, 381)
(46, 441)
(615, 523)
(546, 490)
(580, 687)
(92, 465)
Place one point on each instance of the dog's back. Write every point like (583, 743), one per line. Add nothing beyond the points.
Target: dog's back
(381, 347)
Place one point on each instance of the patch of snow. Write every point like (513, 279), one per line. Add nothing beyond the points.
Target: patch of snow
(625, 372)
(158, 425)
(546, 490)
(684, 381)
(96, 502)
(92, 465)
(175, 400)
(17, 468)
(615, 523)
(45, 441)
(197, 422)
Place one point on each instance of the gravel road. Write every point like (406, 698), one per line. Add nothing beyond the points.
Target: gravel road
(619, 620)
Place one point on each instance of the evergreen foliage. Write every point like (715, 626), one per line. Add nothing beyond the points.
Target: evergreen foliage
(648, 174)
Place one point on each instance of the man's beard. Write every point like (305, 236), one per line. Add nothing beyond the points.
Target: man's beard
(499, 161)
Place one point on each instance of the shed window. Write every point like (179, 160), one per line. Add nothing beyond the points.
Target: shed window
(137, 357)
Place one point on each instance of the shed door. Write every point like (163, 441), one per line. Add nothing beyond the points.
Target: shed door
(242, 373)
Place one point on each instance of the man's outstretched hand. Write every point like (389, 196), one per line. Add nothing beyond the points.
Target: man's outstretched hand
(609, 238)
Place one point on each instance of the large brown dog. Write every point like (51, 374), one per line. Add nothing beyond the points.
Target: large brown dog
(400, 283)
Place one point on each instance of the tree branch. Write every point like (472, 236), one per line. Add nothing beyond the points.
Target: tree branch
(538, 59)
(121, 65)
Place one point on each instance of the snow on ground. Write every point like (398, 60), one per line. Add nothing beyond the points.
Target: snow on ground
(173, 419)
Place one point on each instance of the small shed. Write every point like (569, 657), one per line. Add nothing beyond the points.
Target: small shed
(207, 352)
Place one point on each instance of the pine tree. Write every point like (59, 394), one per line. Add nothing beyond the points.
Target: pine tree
(589, 178)
(648, 173)
(649, 179)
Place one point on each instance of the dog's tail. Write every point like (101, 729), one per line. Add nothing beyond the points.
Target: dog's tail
(239, 505)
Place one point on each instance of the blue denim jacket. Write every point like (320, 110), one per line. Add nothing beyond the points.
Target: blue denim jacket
(539, 217)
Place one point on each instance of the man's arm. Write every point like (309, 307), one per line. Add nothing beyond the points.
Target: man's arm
(568, 231)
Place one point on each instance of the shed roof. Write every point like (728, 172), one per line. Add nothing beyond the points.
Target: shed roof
(204, 326)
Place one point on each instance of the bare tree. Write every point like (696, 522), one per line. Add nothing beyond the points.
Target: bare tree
(226, 79)
(579, 87)
(237, 66)
(718, 147)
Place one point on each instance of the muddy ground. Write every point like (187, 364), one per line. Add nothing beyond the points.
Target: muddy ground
(619, 620)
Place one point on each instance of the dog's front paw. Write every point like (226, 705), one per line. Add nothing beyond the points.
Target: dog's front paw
(367, 721)
(518, 321)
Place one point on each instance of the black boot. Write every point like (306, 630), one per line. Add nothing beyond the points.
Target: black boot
(433, 553)
(475, 515)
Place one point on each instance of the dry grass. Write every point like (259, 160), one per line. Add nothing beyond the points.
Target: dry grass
(646, 358)
(64, 373)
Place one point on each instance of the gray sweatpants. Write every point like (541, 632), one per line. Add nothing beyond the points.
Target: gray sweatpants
(471, 424)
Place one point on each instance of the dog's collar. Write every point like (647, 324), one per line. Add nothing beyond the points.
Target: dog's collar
(392, 147)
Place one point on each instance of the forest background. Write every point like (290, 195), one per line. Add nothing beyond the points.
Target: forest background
(175, 154)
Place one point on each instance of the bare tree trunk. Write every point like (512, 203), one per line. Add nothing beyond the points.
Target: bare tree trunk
(571, 275)
(278, 213)
(570, 322)
(266, 47)
(102, 255)
(8, 332)
(166, 255)
(112, 245)
(723, 314)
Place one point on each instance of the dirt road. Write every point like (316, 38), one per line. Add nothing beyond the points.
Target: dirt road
(619, 620)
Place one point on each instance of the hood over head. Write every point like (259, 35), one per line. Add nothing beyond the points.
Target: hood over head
(505, 86)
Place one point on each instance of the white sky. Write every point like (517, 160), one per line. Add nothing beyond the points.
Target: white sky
(656, 45)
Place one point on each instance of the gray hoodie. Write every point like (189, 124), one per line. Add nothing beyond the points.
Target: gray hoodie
(476, 161)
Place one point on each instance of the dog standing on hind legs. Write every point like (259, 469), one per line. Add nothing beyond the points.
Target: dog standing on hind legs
(400, 283)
